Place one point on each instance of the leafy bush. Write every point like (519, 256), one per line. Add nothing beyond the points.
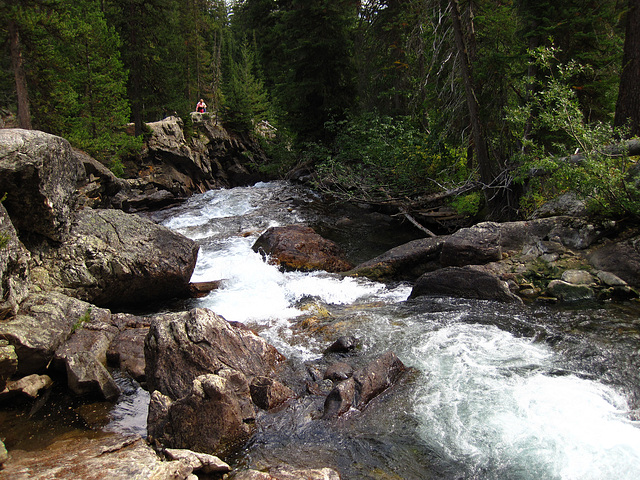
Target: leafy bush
(379, 157)
(600, 174)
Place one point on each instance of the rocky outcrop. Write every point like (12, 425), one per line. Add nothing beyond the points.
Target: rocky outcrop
(525, 256)
(39, 174)
(297, 247)
(112, 258)
(14, 267)
(173, 166)
(44, 323)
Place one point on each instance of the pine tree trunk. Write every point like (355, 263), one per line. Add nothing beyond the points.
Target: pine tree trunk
(24, 116)
(628, 105)
(487, 170)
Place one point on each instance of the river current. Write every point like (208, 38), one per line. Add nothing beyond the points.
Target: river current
(494, 392)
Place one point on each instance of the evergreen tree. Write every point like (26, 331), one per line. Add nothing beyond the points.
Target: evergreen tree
(246, 101)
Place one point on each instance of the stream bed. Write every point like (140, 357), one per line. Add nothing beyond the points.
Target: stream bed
(494, 391)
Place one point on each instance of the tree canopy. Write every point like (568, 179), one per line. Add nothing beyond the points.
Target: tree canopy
(481, 89)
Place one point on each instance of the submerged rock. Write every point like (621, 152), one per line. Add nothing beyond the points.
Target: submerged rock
(365, 384)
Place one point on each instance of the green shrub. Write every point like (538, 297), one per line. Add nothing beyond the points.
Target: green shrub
(379, 157)
(602, 179)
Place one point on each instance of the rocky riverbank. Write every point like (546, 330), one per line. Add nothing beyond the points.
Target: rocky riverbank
(67, 263)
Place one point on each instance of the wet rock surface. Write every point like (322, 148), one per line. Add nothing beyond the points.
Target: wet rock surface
(297, 247)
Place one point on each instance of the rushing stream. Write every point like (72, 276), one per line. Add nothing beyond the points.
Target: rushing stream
(496, 392)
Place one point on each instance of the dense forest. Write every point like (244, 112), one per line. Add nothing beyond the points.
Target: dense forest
(493, 106)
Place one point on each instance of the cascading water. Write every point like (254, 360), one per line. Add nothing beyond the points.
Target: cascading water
(496, 392)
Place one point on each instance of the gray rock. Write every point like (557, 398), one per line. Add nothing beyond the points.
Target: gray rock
(126, 352)
(29, 386)
(40, 173)
(610, 279)
(44, 322)
(566, 204)
(344, 344)
(578, 277)
(569, 292)
(212, 418)
(113, 258)
(365, 384)
(465, 282)
(14, 267)
(86, 375)
(622, 259)
(198, 461)
(338, 371)
(267, 393)
(476, 245)
(405, 262)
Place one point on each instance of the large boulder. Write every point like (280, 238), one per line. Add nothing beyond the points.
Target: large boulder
(297, 247)
(477, 245)
(43, 324)
(183, 346)
(14, 267)
(621, 259)
(111, 258)
(465, 282)
(215, 417)
(39, 174)
(405, 262)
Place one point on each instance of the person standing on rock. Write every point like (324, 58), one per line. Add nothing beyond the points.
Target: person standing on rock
(201, 107)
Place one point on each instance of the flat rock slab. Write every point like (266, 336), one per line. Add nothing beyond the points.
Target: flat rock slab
(111, 456)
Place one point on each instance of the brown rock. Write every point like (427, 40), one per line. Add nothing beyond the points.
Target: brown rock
(112, 457)
(183, 346)
(214, 417)
(267, 393)
(297, 247)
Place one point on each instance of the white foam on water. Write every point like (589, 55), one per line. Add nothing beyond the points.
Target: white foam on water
(490, 400)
